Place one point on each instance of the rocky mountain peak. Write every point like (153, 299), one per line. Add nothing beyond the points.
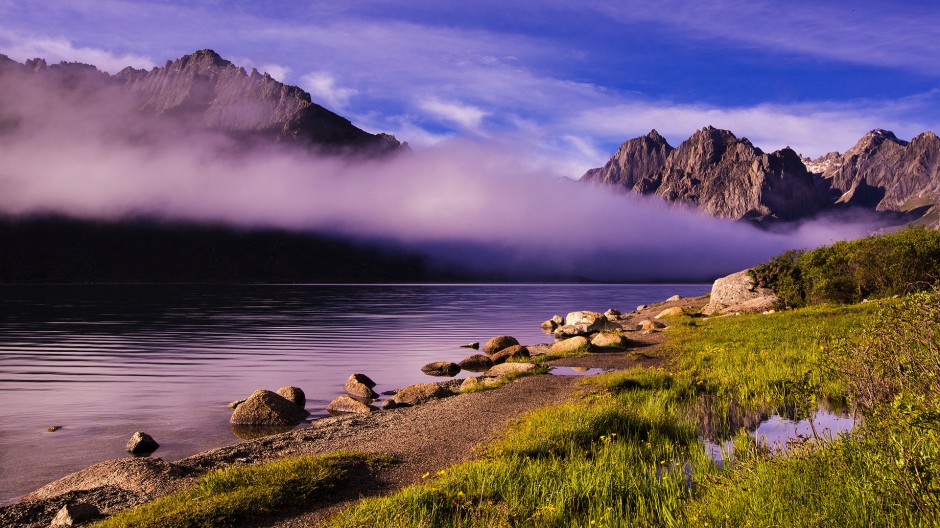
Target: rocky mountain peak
(636, 159)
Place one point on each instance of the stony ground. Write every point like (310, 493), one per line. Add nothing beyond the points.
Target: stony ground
(424, 438)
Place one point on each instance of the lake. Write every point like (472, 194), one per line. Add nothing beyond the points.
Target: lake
(103, 361)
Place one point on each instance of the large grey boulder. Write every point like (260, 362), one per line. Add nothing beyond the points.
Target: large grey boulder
(142, 444)
(74, 515)
(567, 346)
(609, 340)
(738, 293)
(498, 343)
(264, 407)
(594, 321)
(506, 369)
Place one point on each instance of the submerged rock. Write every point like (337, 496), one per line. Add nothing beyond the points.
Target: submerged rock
(441, 368)
(498, 343)
(293, 394)
(142, 444)
(264, 407)
(475, 345)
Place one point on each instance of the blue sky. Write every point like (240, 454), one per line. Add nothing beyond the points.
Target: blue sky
(567, 80)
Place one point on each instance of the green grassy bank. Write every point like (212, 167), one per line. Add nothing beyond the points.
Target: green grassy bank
(630, 451)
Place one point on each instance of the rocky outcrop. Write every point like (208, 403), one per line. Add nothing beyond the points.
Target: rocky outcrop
(633, 162)
(728, 177)
(264, 407)
(204, 90)
(142, 443)
(738, 293)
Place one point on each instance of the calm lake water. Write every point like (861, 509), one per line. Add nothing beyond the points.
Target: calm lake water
(105, 361)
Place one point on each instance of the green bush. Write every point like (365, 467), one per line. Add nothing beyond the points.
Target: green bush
(898, 263)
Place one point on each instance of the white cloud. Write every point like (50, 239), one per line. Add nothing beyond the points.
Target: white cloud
(467, 116)
(276, 71)
(324, 89)
(56, 50)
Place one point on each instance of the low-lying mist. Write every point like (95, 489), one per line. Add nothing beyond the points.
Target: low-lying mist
(486, 209)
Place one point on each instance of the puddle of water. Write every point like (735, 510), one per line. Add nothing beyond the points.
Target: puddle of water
(577, 371)
(776, 433)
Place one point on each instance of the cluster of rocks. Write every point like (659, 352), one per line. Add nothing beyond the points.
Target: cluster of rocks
(359, 395)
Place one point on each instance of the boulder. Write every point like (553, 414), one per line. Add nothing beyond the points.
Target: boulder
(611, 313)
(647, 324)
(674, 298)
(362, 378)
(388, 405)
(675, 311)
(549, 326)
(738, 293)
(441, 368)
(142, 444)
(422, 392)
(74, 515)
(505, 369)
(475, 383)
(264, 407)
(293, 394)
(558, 320)
(642, 307)
(346, 405)
(593, 321)
(609, 340)
(514, 352)
(475, 345)
(570, 345)
(476, 363)
(235, 404)
(356, 388)
(498, 343)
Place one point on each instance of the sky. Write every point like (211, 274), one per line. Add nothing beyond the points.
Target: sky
(567, 80)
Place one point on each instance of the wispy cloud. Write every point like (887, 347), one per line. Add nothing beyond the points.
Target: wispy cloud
(323, 87)
(56, 50)
(468, 117)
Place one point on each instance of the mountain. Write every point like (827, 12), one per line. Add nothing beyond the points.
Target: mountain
(215, 94)
(728, 177)
(723, 175)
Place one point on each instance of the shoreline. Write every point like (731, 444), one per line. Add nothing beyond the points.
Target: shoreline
(429, 436)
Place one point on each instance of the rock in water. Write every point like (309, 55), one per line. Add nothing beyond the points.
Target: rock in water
(74, 515)
(549, 326)
(738, 293)
(264, 407)
(476, 363)
(514, 352)
(357, 387)
(498, 343)
(441, 368)
(475, 345)
(345, 404)
(293, 394)
(142, 444)
(675, 311)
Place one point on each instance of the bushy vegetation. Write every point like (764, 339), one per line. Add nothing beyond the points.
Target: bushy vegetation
(227, 496)
(847, 272)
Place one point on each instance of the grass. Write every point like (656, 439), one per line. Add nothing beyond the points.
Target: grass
(226, 496)
(630, 454)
